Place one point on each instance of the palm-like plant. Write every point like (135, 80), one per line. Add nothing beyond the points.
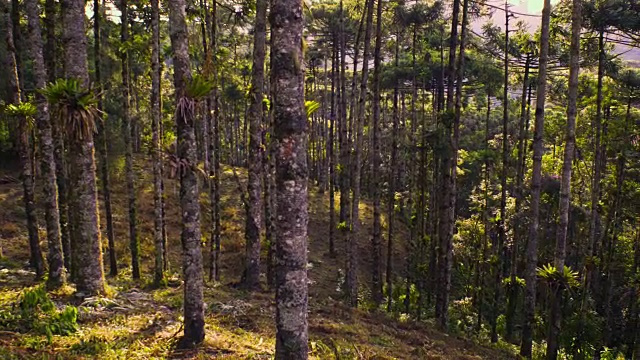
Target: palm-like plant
(196, 90)
(22, 111)
(76, 107)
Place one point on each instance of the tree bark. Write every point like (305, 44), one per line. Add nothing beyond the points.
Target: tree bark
(352, 239)
(189, 192)
(553, 344)
(291, 181)
(103, 138)
(253, 223)
(156, 150)
(376, 241)
(536, 178)
(24, 149)
(47, 163)
(134, 245)
(392, 178)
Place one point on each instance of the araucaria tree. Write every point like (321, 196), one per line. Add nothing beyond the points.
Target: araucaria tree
(187, 93)
(78, 122)
(290, 136)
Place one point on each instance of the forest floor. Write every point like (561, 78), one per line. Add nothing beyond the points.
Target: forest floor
(138, 322)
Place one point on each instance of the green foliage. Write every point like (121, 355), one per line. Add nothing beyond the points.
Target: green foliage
(311, 107)
(38, 313)
(198, 88)
(343, 226)
(519, 282)
(566, 279)
(22, 112)
(76, 107)
(25, 109)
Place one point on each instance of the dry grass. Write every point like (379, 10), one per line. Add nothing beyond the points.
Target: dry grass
(143, 323)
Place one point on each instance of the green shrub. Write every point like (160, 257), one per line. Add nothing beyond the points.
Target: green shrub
(36, 312)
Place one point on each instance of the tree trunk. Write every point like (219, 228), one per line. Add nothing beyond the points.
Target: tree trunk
(291, 181)
(24, 149)
(553, 341)
(376, 241)
(513, 290)
(156, 150)
(502, 225)
(449, 165)
(254, 183)
(189, 192)
(392, 179)
(47, 163)
(87, 248)
(103, 139)
(352, 239)
(598, 163)
(536, 178)
(134, 246)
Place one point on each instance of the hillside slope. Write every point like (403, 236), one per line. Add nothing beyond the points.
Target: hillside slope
(137, 322)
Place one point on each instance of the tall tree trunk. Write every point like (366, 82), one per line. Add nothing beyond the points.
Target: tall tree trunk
(189, 192)
(254, 184)
(134, 245)
(553, 341)
(47, 163)
(291, 181)
(517, 231)
(449, 166)
(87, 249)
(352, 239)
(485, 220)
(156, 150)
(598, 162)
(24, 149)
(376, 241)
(502, 225)
(536, 179)
(214, 153)
(335, 87)
(103, 138)
(553, 344)
(392, 179)
(50, 58)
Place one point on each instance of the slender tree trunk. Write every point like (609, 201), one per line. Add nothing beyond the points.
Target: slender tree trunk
(335, 86)
(536, 179)
(598, 161)
(291, 181)
(214, 153)
(103, 139)
(352, 239)
(553, 341)
(24, 149)
(50, 58)
(156, 150)
(47, 163)
(514, 289)
(134, 245)
(345, 146)
(254, 184)
(485, 219)
(189, 192)
(376, 241)
(502, 226)
(392, 179)
(632, 334)
(449, 166)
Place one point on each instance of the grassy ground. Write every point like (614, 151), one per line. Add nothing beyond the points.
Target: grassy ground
(137, 322)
